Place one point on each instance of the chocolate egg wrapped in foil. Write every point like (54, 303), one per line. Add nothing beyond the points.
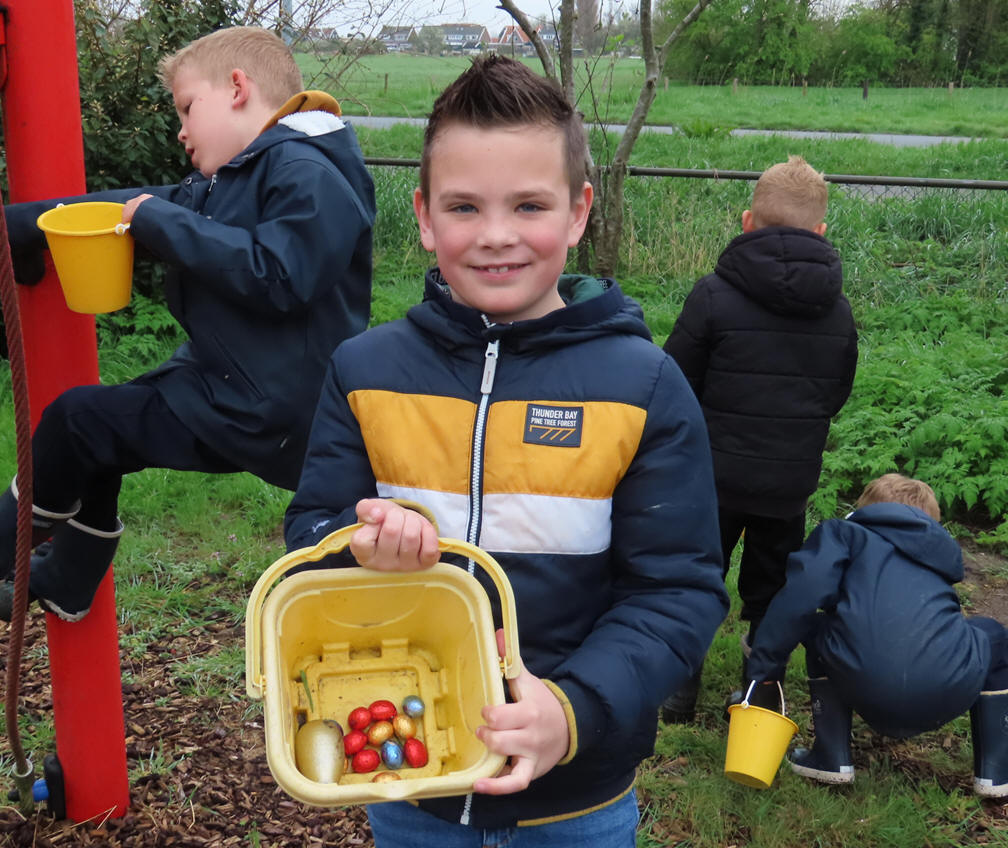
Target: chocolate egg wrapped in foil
(413, 706)
(404, 727)
(379, 732)
(392, 754)
(318, 750)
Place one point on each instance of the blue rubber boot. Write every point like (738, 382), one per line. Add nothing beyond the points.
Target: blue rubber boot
(829, 760)
(989, 723)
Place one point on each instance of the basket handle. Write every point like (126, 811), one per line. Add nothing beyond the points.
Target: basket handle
(745, 700)
(333, 544)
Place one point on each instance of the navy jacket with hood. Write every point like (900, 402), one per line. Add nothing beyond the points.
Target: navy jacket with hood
(571, 449)
(269, 269)
(890, 633)
(769, 346)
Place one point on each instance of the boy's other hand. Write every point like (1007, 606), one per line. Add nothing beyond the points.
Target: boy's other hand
(129, 210)
(393, 538)
(532, 732)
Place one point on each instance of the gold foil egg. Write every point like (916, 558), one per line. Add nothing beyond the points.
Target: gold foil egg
(318, 750)
(404, 726)
(385, 777)
(380, 731)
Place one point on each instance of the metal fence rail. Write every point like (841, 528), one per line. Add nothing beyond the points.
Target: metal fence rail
(870, 186)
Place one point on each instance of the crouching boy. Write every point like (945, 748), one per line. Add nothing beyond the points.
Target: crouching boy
(872, 599)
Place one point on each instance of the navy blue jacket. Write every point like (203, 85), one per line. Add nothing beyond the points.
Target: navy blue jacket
(269, 269)
(769, 346)
(571, 449)
(891, 633)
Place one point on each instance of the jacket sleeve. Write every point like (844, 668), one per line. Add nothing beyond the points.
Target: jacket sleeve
(306, 235)
(336, 473)
(814, 575)
(668, 593)
(24, 234)
(689, 344)
(850, 358)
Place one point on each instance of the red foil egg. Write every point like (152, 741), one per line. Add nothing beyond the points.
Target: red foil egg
(354, 741)
(365, 761)
(359, 718)
(415, 753)
(382, 711)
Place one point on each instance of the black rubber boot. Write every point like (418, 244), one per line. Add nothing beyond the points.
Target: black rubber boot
(44, 524)
(989, 723)
(66, 573)
(829, 760)
(680, 706)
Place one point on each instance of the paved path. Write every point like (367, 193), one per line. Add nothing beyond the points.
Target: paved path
(894, 139)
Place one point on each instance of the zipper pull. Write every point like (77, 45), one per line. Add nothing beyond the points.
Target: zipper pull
(490, 368)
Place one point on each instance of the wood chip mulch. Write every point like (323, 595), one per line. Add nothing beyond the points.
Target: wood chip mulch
(197, 765)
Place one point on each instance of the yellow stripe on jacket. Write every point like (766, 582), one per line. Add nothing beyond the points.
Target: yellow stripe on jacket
(546, 489)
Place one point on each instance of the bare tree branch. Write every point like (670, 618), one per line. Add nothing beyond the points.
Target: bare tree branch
(542, 51)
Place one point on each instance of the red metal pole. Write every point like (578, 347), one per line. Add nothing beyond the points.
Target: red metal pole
(45, 158)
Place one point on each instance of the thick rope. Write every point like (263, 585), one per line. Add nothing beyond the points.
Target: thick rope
(22, 556)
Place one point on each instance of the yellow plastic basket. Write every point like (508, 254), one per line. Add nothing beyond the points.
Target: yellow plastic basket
(323, 641)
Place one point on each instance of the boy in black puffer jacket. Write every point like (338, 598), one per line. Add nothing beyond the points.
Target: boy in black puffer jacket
(769, 347)
(872, 599)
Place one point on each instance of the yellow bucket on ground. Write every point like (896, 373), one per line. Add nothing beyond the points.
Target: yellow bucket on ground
(93, 254)
(321, 642)
(757, 741)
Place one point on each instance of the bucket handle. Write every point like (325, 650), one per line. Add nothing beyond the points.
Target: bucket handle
(120, 229)
(745, 700)
(336, 542)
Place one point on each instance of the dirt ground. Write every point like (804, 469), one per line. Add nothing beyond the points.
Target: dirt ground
(198, 765)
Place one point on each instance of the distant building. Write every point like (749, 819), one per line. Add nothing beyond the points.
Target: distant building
(397, 39)
(465, 38)
(549, 36)
(512, 36)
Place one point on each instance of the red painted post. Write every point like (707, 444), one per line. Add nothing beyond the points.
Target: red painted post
(45, 158)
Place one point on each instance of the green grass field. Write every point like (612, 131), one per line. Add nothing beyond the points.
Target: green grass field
(403, 85)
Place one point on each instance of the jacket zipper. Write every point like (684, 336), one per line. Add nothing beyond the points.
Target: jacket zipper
(476, 480)
(479, 434)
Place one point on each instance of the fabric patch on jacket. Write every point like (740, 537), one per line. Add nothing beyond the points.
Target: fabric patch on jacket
(559, 426)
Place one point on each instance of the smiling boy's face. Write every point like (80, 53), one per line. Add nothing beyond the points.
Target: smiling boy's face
(500, 217)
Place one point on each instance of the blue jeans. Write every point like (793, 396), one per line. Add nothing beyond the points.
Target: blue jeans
(397, 824)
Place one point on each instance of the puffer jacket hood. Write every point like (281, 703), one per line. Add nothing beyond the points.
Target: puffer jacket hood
(915, 535)
(789, 271)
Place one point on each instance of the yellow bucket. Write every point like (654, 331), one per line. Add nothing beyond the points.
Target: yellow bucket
(323, 641)
(757, 741)
(93, 254)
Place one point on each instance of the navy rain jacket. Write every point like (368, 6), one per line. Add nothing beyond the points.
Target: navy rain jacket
(891, 634)
(269, 269)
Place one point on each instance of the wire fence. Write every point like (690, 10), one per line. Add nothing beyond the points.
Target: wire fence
(866, 186)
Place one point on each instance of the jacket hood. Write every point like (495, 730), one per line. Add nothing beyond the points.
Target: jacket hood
(789, 271)
(914, 534)
(312, 117)
(594, 307)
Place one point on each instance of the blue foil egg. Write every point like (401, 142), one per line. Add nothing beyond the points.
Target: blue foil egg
(413, 706)
(392, 754)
